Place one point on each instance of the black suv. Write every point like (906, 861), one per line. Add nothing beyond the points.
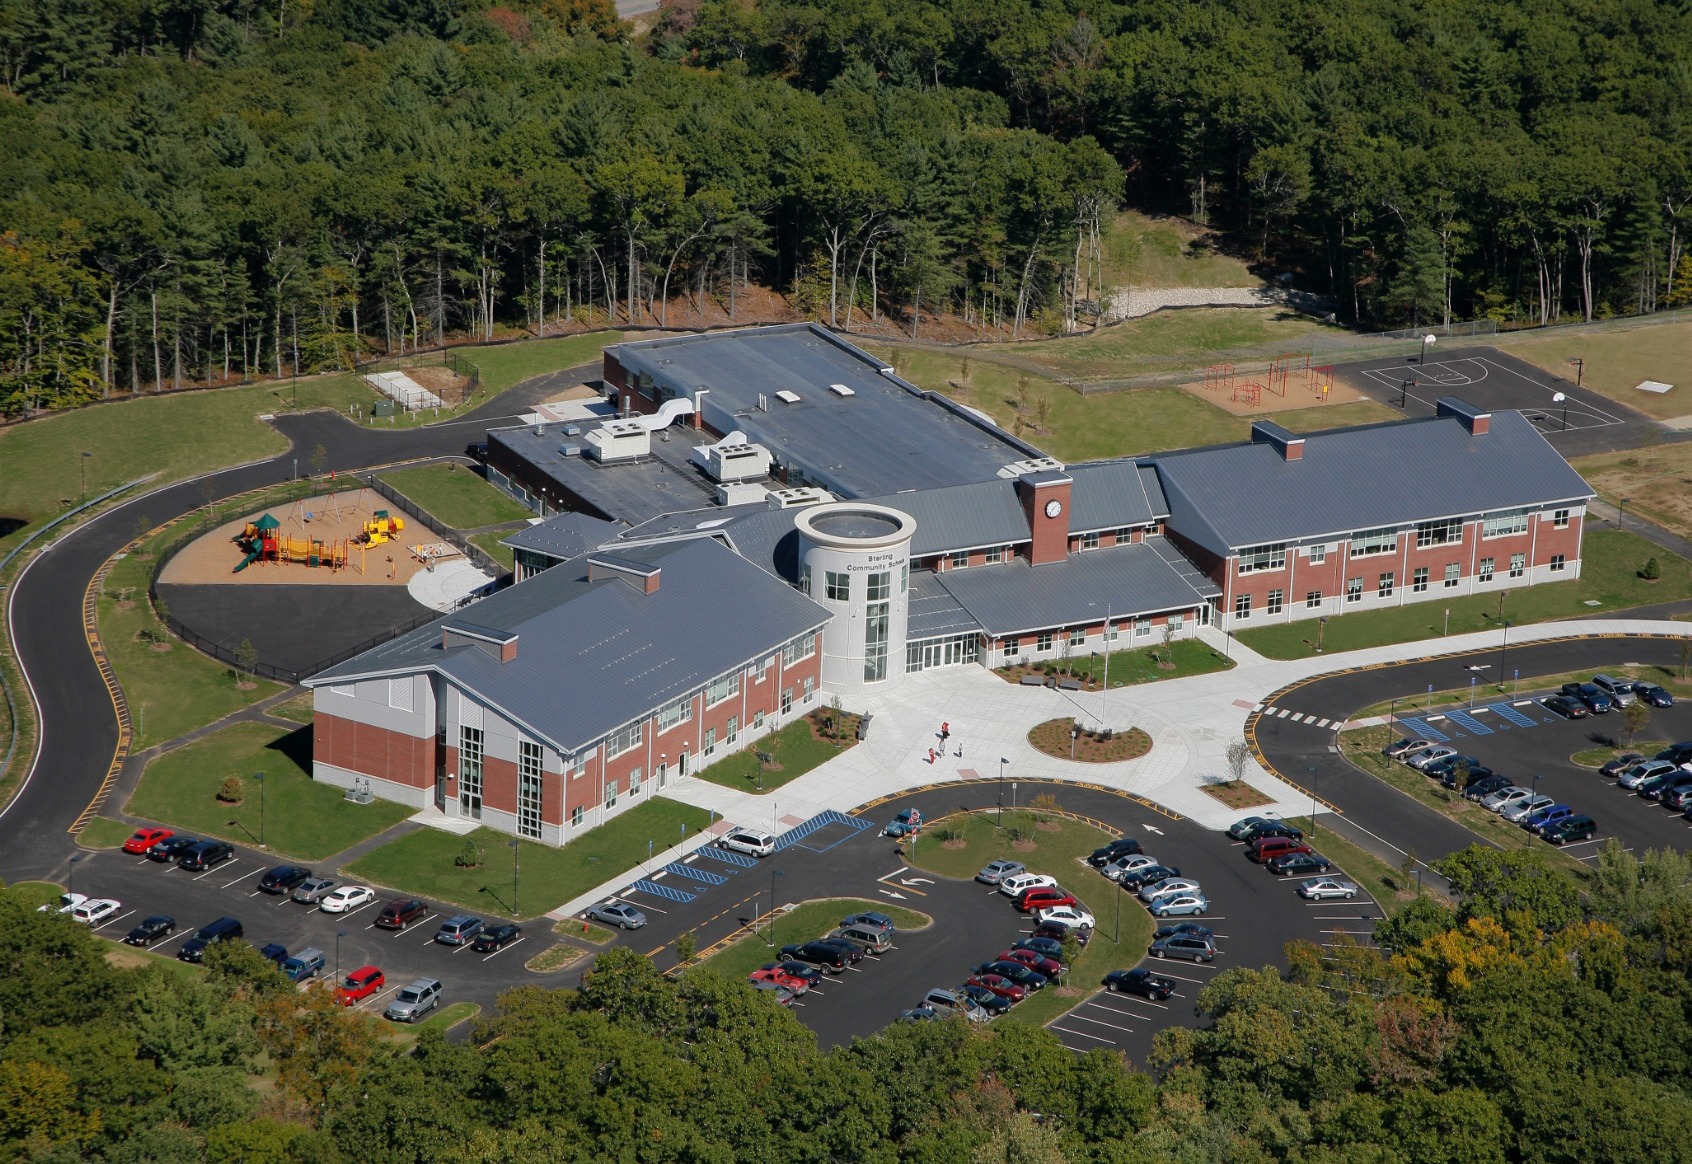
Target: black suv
(1269, 828)
(396, 915)
(204, 855)
(1594, 696)
(1126, 847)
(825, 954)
(284, 878)
(1484, 786)
(1571, 828)
(1676, 753)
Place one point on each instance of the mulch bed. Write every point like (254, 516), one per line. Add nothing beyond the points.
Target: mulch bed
(1052, 738)
(1237, 794)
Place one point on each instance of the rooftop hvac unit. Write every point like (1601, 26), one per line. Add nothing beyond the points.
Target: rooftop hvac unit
(841, 390)
(571, 450)
(795, 498)
(787, 397)
(619, 440)
(572, 430)
(1031, 465)
(738, 462)
(740, 493)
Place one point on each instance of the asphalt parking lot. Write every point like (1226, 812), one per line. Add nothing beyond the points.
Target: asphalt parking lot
(1540, 749)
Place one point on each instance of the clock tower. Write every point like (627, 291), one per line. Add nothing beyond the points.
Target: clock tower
(1045, 503)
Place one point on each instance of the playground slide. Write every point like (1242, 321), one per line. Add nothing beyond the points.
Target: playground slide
(667, 413)
(252, 556)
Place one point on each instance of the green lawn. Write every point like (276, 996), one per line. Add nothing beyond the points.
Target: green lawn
(813, 919)
(506, 365)
(1141, 251)
(34, 893)
(1060, 852)
(424, 862)
(297, 709)
(492, 543)
(104, 833)
(455, 497)
(796, 750)
(1609, 575)
(301, 818)
(1130, 667)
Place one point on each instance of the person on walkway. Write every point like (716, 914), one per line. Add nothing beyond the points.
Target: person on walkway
(931, 757)
(945, 732)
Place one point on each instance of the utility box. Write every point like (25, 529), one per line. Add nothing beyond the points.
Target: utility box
(382, 408)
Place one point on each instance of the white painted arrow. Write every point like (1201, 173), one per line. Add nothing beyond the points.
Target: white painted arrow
(915, 881)
(895, 896)
(1150, 829)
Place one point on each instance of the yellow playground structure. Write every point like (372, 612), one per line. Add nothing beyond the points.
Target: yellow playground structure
(263, 541)
(380, 528)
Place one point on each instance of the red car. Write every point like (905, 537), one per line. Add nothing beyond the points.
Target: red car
(359, 985)
(999, 985)
(781, 978)
(1050, 967)
(146, 838)
(1045, 897)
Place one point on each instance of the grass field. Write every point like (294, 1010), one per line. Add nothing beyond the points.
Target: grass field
(35, 893)
(796, 750)
(1609, 576)
(1656, 482)
(297, 709)
(424, 862)
(1059, 851)
(1618, 356)
(455, 497)
(491, 542)
(813, 919)
(300, 818)
(1142, 251)
(104, 833)
(1129, 667)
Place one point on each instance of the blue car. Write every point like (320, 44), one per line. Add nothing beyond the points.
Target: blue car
(1654, 695)
(1536, 822)
(907, 823)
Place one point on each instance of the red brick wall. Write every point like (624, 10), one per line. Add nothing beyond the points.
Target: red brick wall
(1050, 535)
(499, 784)
(1557, 541)
(373, 751)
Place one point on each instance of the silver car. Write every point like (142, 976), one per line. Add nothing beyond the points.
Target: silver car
(1639, 773)
(617, 913)
(997, 871)
(416, 1000)
(311, 890)
(1505, 797)
(1522, 809)
(1421, 760)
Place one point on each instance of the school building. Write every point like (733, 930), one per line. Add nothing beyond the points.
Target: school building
(765, 518)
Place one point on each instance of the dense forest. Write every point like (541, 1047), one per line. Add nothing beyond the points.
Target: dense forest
(198, 190)
(1543, 1021)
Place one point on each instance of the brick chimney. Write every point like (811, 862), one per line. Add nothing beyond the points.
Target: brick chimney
(1267, 432)
(1477, 422)
(1045, 503)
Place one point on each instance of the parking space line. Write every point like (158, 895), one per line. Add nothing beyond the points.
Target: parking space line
(112, 921)
(176, 937)
(1084, 1035)
(1102, 1023)
(1100, 1003)
(1182, 977)
(505, 947)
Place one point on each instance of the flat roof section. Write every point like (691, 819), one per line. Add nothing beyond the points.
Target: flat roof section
(629, 491)
(882, 436)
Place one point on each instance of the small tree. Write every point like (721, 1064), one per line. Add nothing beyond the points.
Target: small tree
(1635, 715)
(246, 657)
(1651, 571)
(1408, 867)
(1238, 756)
(470, 856)
(1071, 948)
(229, 792)
(1685, 656)
(162, 609)
(839, 717)
(686, 946)
(1043, 408)
(319, 458)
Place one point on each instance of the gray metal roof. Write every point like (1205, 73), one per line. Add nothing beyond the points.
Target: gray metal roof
(592, 656)
(566, 535)
(985, 513)
(1110, 494)
(885, 435)
(632, 491)
(1372, 476)
(1122, 581)
(933, 612)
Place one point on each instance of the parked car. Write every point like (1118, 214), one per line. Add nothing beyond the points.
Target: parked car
(1270, 828)
(1680, 753)
(1180, 905)
(1322, 888)
(170, 848)
(151, 929)
(274, 952)
(1677, 798)
(963, 1002)
(1045, 947)
(1017, 882)
(871, 941)
(96, 911)
(224, 929)
(1579, 827)
(346, 899)
(477, 451)
(1015, 971)
(617, 913)
(1264, 848)
(1104, 854)
(751, 840)
(907, 823)
(1043, 897)
(283, 879)
(918, 1014)
(64, 903)
(1633, 777)
(782, 995)
(999, 985)
(781, 978)
(1141, 981)
(1187, 946)
(871, 921)
(1404, 748)
(359, 985)
(400, 913)
(996, 871)
(809, 975)
(1297, 864)
(413, 1001)
(1069, 915)
(312, 890)
(1519, 811)
(146, 838)
(1183, 928)
(825, 954)
(1433, 755)
(1486, 786)
(304, 965)
(1057, 931)
(459, 930)
(1459, 779)
(1566, 706)
(1658, 787)
(1621, 764)
(1534, 821)
(1148, 875)
(1050, 967)
(495, 938)
(1124, 865)
(991, 1004)
(1245, 824)
(205, 855)
(1157, 889)
(1590, 694)
(1620, 691)
(1506, 797)
(1654, 695)
(1439, 768)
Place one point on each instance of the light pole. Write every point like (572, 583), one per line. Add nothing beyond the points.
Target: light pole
(339, 934)
(1504, 647)
(1391, 708)
(515, 868)
(259, 776)
(82, 463)
(1313, 775)
(1621, 513)
(1003, 760)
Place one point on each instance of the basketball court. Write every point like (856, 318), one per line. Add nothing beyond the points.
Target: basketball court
(1581, 422)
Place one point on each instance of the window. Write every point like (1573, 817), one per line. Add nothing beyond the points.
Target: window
(995, 555)
(1486, 567)
(576, 817)
(1142, 628)
(1383, 587)
(1500, 525)
(1043, 641)
(805, 577)
(959, 560)
(1439, 533)
(1242, 606)
(877, 619)
(1176, 623)
(634, 782)
(758, 720)
(710, 741)
(528, 789)
(838, 585)
(1560, 519)
(611, 795)
(1277, 599)
(723, 688)
(1354, 590)
(1313, 599)
(1268, 557)
(1558, 561)
(1013, 646)
(470, 772)
(904, 577)
(786, 700)
(810, 688)
(1318, 555)
(1518, 565)
(732, 732)
(1078, 637)
(1419, 579)
(800, 648)
(880, 586)
(1453, 572)
(1123, 536)
(1110, 632)
(1090, 541)
(1373, 541)
(629, 737)
(671, 714)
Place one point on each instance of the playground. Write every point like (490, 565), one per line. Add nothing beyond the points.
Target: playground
(1289, 382)
(349, 538)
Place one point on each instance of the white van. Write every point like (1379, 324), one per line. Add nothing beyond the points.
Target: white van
(751, 841)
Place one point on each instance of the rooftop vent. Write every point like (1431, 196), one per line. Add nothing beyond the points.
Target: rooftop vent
(798, 497)
(641, 575)
(841, 390)
(787, 397)
(497, 644)
(1476, 421)
(1267, 432)
(1031, 465)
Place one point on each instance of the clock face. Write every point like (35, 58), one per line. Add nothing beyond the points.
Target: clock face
(1054, 507)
